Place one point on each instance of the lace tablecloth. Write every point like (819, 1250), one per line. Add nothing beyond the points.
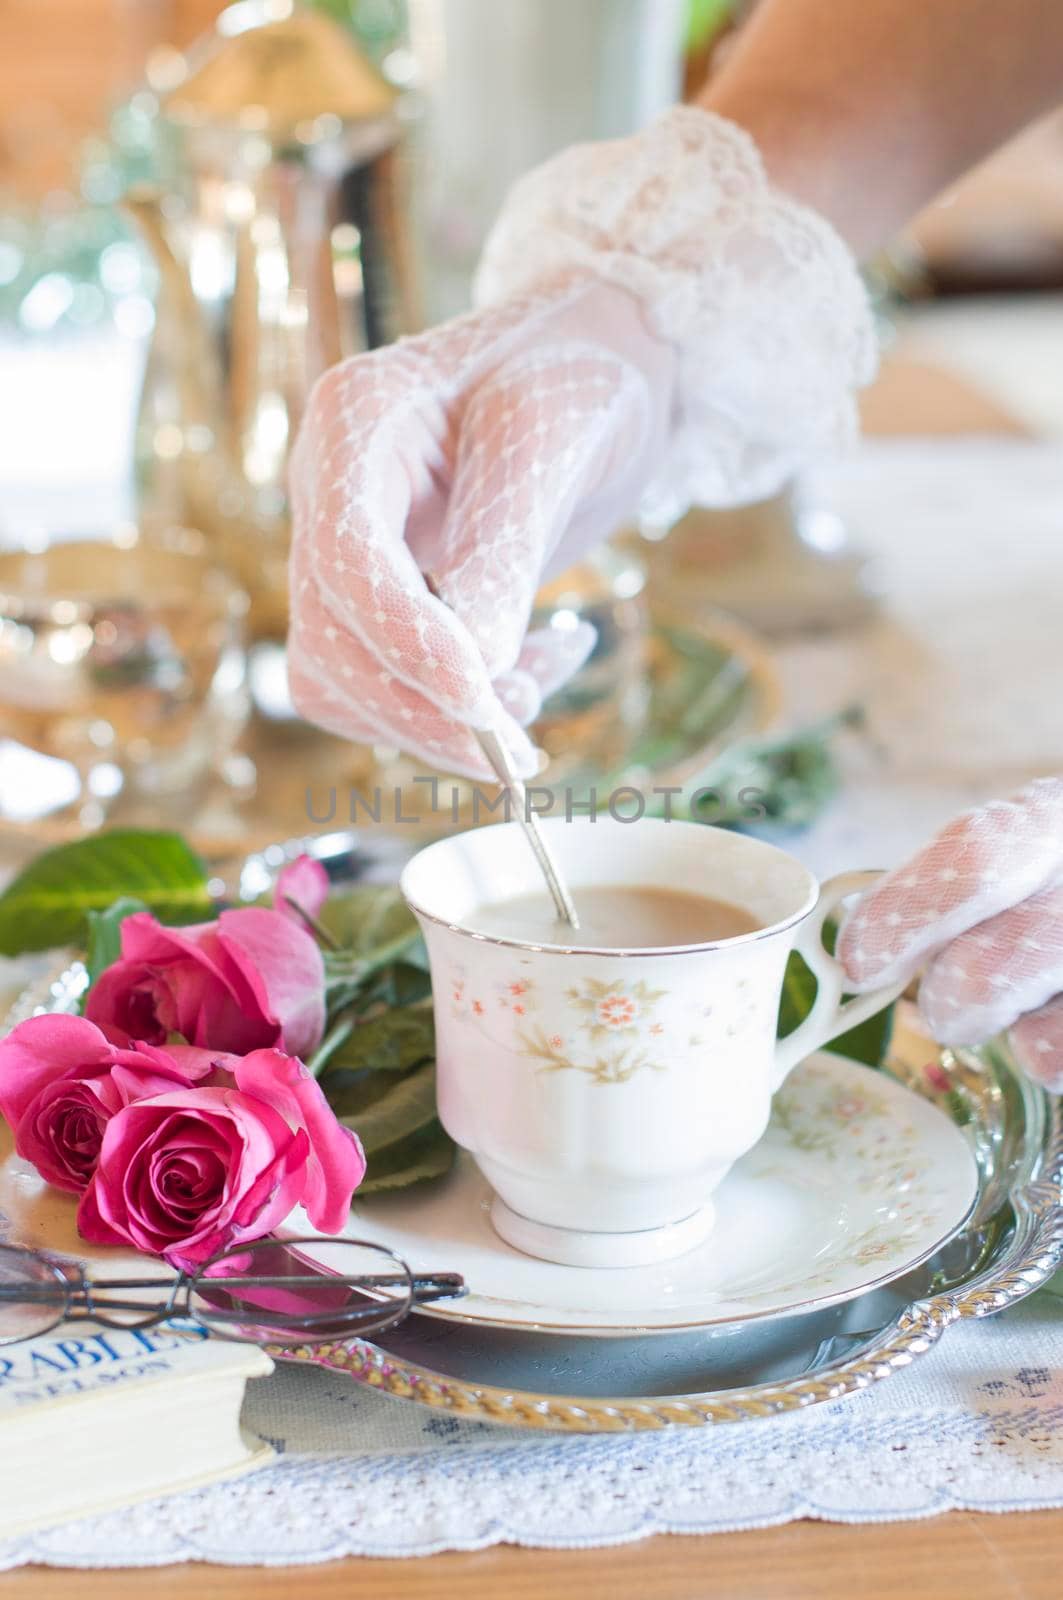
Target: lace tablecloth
(976, 1425)
(960, 680)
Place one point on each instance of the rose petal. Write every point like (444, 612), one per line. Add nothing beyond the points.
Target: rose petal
(181, 1062)
(286, 967)
(125, 1001)
(178, 1122)
(252, 979)
(184, 1173)
(202, 994)
(131, 1086)
(43, 1049)
(336, 1165)
(42, 1131)
(93, 1224)
(54, 1069)
(278, 1191)
(188, 1063)
(306, 882)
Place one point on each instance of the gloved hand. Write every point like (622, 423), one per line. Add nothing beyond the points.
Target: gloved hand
(981, 908)
(660, 327)
(486, 453)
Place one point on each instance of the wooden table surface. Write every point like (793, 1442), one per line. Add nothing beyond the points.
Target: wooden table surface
(952, 1557)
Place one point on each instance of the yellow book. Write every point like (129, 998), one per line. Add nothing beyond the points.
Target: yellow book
(92, 1419)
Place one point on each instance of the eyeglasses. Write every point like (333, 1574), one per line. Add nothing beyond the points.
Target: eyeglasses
(274, 1291)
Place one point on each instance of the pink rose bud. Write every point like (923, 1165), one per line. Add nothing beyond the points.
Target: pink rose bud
(61, 1082)
(306, 882)
(251, 979)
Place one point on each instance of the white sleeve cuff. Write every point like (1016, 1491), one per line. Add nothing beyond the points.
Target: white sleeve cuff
(758, 294)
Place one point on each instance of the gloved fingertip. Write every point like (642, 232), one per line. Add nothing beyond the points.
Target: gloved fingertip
(551, 655)
(528, 762)
(1048, 1072)
(952, 1022)
(526, 757)
(520, 696)
(856, 949)
(1036, 1043)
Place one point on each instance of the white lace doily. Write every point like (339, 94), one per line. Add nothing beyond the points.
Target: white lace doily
(976, 1425)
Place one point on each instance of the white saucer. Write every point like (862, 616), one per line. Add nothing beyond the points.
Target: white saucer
(856, 1180)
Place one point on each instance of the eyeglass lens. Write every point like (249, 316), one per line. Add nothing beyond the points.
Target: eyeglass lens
(301, 1291)
(34, 1295)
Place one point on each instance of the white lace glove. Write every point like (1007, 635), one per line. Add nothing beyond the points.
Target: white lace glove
(981, 907)
(484, 453)
(659, 327)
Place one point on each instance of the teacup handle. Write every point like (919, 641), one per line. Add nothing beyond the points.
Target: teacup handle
(829, 1016)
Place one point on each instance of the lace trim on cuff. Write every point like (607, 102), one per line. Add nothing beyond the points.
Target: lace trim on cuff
(759, 295)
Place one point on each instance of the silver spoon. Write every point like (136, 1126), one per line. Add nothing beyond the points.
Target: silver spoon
(502, 767)
(498, 758)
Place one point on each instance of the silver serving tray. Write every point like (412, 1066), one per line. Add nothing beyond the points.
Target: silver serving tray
(1010, 1246)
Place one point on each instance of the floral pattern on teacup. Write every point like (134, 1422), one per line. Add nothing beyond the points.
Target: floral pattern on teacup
(516, 996)
(617, 1007)
(618, 1017)
(612, 1065)
(608, 1029)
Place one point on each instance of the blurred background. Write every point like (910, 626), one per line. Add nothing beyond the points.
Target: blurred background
(486, 90)
(201, 207)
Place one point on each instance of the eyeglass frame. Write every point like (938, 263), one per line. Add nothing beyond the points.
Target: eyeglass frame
(75, 1281)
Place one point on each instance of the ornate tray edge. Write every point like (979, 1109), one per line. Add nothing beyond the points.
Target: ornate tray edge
(909, 1336)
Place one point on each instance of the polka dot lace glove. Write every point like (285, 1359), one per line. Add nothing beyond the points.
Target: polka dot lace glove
(658, 326)
(486, 453)
(759, 297)
(981, 908)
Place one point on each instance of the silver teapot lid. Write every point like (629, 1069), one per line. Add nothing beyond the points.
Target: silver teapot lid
(282, 76)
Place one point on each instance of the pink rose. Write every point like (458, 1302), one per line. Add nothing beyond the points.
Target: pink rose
(335, 1164)
(305, 881)
(249, 980)
(188, 1172)
(61, 1082)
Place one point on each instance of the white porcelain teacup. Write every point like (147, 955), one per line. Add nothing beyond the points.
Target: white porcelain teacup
(606, 1093)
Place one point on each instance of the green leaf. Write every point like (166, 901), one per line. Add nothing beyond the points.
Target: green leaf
(380, 1081)
(48, 904)
(368, 918)
(393, 1041)
(407, 1106)
(764, 785)
(867, 1043)
(396, 984)
(403, 984)
(105, 934)
(798, 994)
(427, 1154)
(705, 19)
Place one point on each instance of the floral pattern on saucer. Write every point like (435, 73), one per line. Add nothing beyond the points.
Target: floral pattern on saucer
(857, 1130)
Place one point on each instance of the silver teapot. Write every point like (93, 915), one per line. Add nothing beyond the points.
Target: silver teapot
(277, 226)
